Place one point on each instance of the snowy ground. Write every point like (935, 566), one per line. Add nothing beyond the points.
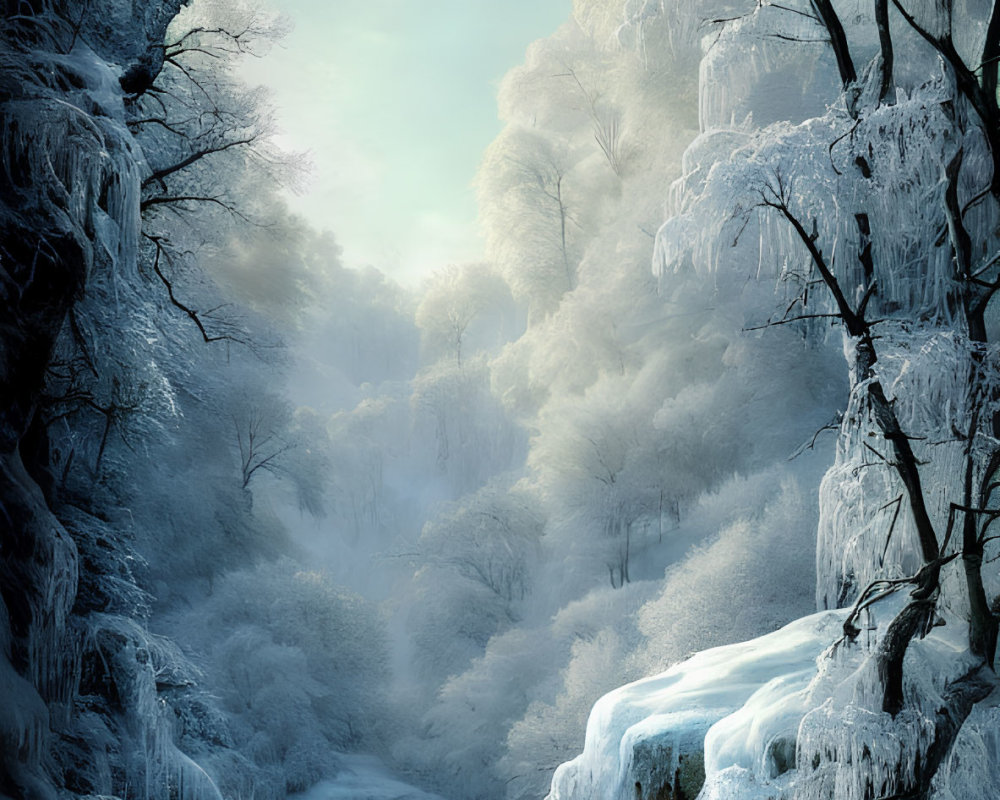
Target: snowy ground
(364, 778)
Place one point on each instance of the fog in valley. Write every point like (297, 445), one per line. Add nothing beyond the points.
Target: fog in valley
(382, 438)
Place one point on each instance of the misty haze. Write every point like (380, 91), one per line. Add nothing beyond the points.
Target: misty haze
(579, 400)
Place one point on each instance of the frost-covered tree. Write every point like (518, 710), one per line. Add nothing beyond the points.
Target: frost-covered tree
(489, 538)
(659, 388)
(476, 561)
(460, 419)
(965, 276)
(452, 300)
(951, 295)
(526, 192)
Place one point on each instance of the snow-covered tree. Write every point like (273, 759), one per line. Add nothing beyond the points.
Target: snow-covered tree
(533, 212)
(452, 300)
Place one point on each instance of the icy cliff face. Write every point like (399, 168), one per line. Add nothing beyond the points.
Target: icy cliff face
(70, 169)
(80, 709)
(790, 171)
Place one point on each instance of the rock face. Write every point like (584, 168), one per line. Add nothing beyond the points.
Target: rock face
(652, 760)
(69, 205)
(70, 177)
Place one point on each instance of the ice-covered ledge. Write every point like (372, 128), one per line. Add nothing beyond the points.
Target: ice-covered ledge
(734, 706)
(788, 716)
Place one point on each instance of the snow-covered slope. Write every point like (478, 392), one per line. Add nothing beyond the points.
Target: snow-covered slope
(364, 778)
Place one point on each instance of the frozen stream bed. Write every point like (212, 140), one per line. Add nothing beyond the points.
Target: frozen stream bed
(364, 778)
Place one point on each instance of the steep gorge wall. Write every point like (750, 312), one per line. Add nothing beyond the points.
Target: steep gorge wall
(69, 206)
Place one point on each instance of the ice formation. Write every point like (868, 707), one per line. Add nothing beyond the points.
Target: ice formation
(671, 729)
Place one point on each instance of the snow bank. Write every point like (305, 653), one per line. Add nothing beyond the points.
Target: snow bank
(738, 704)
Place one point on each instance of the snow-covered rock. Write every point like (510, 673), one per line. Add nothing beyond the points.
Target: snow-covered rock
(739, 704)
(791, 715)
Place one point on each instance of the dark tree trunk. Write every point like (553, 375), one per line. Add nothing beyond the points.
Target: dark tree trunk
(828, 16)
(885, 47)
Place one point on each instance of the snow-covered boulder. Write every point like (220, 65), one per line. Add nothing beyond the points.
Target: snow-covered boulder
(739, 704)
(793, 715)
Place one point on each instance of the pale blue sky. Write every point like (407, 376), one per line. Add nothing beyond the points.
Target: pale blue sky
(396, 100)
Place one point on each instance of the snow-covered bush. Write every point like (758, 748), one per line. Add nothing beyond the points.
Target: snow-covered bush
(300, 667)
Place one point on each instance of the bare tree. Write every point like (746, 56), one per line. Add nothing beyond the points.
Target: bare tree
(201, 129)
(261, 426)
(607, 124)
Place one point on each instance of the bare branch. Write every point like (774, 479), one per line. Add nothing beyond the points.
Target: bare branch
(197, 155)
(776, 197)
(190, 312)
(787, 320)
(181, 199)
(832, 425)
